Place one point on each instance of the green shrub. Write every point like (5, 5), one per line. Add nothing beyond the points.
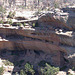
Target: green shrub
(1, 22)
(1, 70)
(19, 24)
(11, 14)
(56, 5)
(22, 72)
(9, 21)
(24, 24)
(33, 25)
(29, 68)
(49, 70)
(16, 73)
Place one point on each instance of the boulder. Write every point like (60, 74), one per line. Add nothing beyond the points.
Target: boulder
(62, 73)
(71, 72)
(53, 20)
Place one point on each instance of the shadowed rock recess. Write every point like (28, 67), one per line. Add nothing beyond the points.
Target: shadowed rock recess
(52, 40)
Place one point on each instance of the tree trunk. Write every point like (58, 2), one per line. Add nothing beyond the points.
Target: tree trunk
(38, 2)
(25, 3)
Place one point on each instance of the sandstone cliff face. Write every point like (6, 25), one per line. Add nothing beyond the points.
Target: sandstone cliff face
(52, 36)
(15, 39)
(35, 39)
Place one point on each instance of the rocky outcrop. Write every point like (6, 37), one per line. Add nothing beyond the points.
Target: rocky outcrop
(15, 39)
(51, 36)
(35, 57)
(71, 18)
(63, 25)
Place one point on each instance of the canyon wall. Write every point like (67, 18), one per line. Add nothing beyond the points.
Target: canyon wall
(52, 36)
